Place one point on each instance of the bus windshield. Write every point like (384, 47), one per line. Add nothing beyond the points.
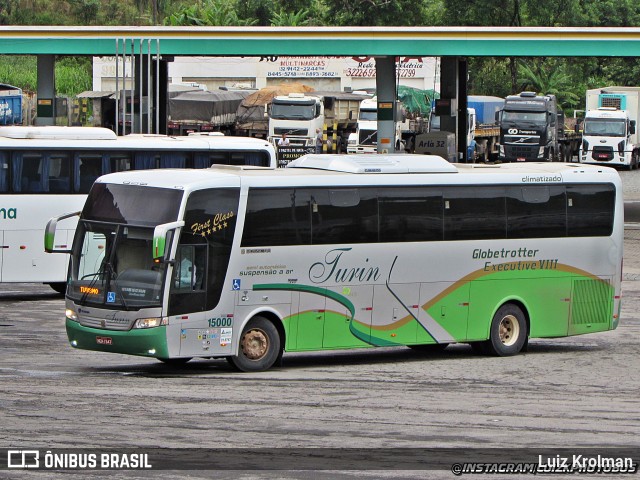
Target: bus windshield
(112, 266)
(111, 260)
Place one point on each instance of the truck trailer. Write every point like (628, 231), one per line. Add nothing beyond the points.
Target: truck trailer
(609, 130)
(482, 131)
(10, 105)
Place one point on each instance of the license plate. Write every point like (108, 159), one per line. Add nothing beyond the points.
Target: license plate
(521, 159)
(104, 340)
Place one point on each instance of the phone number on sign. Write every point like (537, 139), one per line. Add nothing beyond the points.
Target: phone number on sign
(371, 72)
(300, 74)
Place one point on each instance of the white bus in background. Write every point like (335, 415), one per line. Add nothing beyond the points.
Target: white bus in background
(344, 251)
(46, 171)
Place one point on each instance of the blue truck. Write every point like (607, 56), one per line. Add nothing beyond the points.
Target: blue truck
(10, 105)
(482, 132)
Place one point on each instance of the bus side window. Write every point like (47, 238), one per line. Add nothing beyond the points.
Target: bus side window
(4, 172)
(30, 172)
(90, 169)
(59, 172)
(120, 161)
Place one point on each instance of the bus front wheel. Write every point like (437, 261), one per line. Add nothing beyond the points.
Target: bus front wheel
(60, 287)
(259, 346)
(508, 333)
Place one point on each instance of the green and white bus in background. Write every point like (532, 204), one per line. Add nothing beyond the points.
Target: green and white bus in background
(46, 171)
(340, 252)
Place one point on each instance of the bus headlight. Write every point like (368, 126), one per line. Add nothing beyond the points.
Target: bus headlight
(151, 322)
(71, 315)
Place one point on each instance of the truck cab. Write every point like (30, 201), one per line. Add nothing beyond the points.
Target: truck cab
(607, 138)
(297, 115)
(365, 138)
(529, 128)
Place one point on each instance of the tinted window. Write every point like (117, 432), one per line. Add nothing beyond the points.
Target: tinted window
(474, 213)
(407, 214)
(536, 212)
(129, 204)
(410, 214)
(590, 210)
(343, 216)
(277, 217)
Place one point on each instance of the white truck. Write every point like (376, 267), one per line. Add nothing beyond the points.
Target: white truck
(300, 115)
(365, 138)
(609, 130)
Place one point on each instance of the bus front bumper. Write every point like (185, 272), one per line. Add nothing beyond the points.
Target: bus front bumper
(146, 342)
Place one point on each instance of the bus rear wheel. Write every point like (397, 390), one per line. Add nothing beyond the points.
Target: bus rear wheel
(259, 347)
(508, 332)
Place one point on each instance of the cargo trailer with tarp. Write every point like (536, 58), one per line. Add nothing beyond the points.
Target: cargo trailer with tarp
(204, 111)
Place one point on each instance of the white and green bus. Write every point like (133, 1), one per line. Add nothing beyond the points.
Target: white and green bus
(340, 252)
(46, 171)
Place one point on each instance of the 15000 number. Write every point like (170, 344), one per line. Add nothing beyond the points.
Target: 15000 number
(220, 322)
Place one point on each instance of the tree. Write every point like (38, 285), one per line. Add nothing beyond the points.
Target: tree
(209, 12)
(374, 12)
(290, 19)
(548, 77)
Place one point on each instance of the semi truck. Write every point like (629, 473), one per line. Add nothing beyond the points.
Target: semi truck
(204, 111)
(482, 131)
(365, 137)
(10, 105)
(609, 130)
(300, 115)
(532, 129)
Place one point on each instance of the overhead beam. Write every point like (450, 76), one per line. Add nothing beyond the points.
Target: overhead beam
(339, 41)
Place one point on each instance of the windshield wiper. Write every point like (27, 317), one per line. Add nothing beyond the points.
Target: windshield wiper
(112, 275)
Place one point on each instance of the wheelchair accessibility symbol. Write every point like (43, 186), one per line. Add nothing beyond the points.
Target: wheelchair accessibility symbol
(111, 297)
(236, 284)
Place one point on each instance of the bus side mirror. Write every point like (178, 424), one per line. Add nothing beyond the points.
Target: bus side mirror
(632, 127)
(50, 233)
(162, 236)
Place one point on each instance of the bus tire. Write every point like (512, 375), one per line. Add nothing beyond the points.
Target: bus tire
(260, 346)
(508, 332)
